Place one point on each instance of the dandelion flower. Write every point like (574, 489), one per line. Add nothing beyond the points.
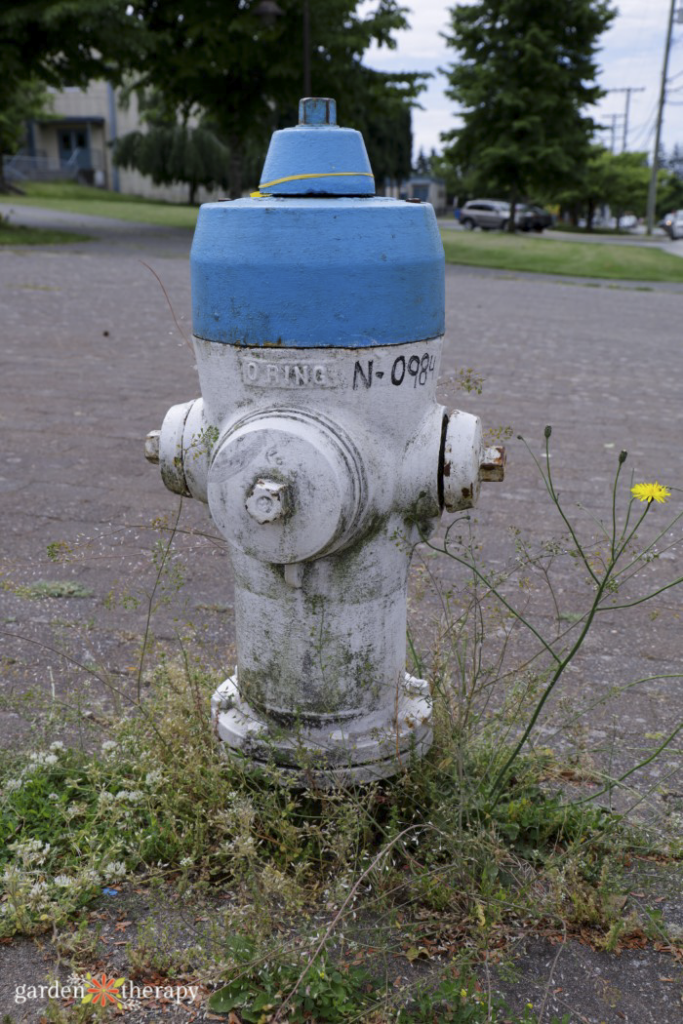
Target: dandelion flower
(651, 492)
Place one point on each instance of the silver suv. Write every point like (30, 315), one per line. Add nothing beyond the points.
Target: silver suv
(487, 214)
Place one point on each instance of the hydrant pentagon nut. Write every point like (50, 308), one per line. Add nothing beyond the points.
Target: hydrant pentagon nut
(318, 316)
(267, 501)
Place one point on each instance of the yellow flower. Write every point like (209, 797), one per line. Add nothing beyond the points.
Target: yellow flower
(650, 492)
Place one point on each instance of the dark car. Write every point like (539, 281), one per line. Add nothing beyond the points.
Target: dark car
(529, 217)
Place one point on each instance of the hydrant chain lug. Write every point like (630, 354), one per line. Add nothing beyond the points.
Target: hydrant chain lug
(152, 446)
(320, 448)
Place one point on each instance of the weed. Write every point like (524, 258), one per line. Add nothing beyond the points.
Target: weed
(53, 588)
(263, 980)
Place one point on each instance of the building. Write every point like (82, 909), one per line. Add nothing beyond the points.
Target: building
(75, 140)
(421, 186)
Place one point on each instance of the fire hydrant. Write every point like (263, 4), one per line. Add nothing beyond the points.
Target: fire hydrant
(318, 444)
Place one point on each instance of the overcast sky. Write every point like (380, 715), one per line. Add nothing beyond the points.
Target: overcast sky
(631, 55)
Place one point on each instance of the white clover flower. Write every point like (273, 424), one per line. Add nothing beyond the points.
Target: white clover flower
(105, 797)
(108, 746)
(187, 862)
(114, 871)
(53, 796)
(42, 760)
(57, 746)
(135, 796)
(64, 881)
(122, 794)
(152, 778)
(75, 810)
(31, 851)
(12, 785)
(91, 877)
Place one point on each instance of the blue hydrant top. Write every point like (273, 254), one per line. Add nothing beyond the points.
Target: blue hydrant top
(317, 157)
(314, 258)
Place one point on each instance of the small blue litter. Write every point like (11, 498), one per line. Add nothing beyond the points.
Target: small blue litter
(110, 892)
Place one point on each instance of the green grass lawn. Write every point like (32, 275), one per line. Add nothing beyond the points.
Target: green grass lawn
(479, 249)
(66, 195)
(13, 234)
(543, 255)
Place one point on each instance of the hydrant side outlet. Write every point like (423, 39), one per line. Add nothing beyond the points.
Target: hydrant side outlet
(318, 443)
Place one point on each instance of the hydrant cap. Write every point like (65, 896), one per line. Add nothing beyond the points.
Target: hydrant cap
(317, 157)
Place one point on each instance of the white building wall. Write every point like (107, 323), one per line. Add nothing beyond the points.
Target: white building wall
(95, 101)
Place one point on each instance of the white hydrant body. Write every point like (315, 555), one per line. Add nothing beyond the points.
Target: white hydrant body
(321, 450)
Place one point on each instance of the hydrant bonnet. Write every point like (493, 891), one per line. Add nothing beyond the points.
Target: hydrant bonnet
(319, 260)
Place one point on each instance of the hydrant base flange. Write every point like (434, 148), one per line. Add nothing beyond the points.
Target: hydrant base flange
(363, 749)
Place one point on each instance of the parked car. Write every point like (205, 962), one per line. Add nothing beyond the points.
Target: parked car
(492, 214)
(673, 224)
(487, 214)
(532, 218)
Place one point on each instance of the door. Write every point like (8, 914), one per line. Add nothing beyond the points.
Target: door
(74, 148)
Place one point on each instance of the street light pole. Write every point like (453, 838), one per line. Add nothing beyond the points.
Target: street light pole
(652, 190)
(307, 49)
(269, 11)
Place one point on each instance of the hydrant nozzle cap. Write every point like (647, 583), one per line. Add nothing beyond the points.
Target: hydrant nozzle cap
(316, 157)
(317, 110)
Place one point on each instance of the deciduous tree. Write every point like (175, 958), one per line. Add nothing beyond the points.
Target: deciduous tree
(246, 76)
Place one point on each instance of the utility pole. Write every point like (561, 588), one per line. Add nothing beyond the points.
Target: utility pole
(652, 190)
(628, 90)
(612, 129)
(613, 133)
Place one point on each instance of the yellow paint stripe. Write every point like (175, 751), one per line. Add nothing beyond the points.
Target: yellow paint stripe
(326, 174)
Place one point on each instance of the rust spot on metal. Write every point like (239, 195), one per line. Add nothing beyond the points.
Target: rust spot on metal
(446, 469)
(467, 492)
(492, 467)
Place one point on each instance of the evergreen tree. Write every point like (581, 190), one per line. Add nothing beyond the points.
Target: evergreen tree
(525, 76)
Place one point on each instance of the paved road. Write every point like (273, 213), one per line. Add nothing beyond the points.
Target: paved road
(92, 358)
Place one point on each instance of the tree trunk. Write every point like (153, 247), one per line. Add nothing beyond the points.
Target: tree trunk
(235, 167)
(512, 227)
(590, 214)
(192, 193)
